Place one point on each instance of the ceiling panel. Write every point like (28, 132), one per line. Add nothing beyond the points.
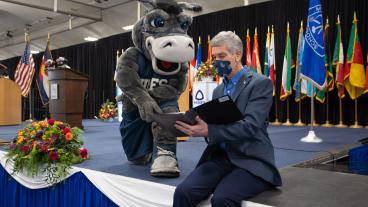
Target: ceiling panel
(114, 15)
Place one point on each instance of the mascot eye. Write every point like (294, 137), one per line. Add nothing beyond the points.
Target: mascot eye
(158, 22)
(184, 25)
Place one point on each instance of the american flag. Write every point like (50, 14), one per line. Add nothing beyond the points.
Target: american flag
(25, 70)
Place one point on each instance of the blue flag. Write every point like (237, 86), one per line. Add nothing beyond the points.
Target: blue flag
(314, 51)
(298, 83)
(198, 57)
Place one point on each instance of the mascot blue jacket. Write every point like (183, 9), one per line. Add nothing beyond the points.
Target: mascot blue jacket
(152, 75)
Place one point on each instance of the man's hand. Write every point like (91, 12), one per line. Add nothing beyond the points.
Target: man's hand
(198, 130)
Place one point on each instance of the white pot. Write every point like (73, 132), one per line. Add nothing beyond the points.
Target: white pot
(207, 79)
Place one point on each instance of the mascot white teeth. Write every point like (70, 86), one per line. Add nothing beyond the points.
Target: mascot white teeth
(152, 76)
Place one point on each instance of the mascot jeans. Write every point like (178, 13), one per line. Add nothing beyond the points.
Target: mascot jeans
(137, 138)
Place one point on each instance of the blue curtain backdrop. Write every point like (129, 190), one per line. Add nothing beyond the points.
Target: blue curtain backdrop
(98, 59)
(77, 190)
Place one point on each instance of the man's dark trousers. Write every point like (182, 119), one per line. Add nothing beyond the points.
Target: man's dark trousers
(228, 183)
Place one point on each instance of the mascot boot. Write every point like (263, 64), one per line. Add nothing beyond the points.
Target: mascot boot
(165, 163)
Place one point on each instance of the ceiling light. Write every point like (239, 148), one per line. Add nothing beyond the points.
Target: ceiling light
(91, 39)
(129, 27)
(35, 51)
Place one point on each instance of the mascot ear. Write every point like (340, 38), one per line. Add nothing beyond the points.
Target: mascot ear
(148, 4)
(190, 6)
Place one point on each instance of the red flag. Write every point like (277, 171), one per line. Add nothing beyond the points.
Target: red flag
(25, 71)
(191, 72)
(338, 61)
(354, 74)
(249, 58)
(366, 77)
(256, 65)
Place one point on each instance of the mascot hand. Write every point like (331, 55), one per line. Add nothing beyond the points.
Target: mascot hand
(119, 98)
(147, 109)
(164, 92)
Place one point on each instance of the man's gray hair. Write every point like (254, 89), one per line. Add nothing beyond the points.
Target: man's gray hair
(228, 39)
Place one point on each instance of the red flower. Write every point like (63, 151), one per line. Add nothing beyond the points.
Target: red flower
(61, 126)
(53, 155)
(66, 130)
(11, 146)
(51, 121)
(25, 148)
(83, 153)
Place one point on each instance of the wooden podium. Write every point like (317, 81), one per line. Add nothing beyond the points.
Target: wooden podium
(10, 103)
(67, 89)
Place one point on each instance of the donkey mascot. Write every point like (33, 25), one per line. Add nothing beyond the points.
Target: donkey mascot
(152, 75)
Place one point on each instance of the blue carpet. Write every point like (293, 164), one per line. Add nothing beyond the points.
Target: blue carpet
(104, 143)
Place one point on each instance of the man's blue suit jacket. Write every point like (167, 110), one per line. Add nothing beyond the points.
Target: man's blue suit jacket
(247, 142)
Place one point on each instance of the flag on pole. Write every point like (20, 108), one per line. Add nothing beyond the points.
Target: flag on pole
(366, 77)
(209, 51)
(209, 57)
(248, 54)
(285, 89)
(328, 64)
(300, 85)
(25, 71)
(272, 62)
(314, 51)
(194, 64)
(43, 78)
(320, 96)
(191, 73)
(198, 56)
(354, 74)
(256, 65)
(338, 61)
(266, 69)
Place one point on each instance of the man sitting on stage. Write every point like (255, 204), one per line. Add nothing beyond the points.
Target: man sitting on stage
(238, 162)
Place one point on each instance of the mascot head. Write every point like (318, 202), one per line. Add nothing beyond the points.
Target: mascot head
(161, 34)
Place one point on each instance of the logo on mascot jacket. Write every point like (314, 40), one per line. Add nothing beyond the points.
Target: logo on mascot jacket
(152, 83)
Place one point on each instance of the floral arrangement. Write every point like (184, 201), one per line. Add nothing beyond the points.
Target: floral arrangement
(205, 70)
(49, 146)
(108, 111)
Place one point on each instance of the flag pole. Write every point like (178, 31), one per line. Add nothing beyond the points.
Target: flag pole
(277, 122)
(30, 90)
(300, 123)
(287, 123)
(311, 137)
(356, 124)
(30, 105)
(341, 124)
(327, 124)
(47, 106)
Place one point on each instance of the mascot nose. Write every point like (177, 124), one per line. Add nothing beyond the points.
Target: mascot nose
(174, 48)
(174, 43)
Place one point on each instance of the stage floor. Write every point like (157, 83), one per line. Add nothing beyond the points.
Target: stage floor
(104, 143)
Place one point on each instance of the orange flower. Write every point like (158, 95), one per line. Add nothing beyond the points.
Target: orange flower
(69, 136)
(44, 124)
(20, 139)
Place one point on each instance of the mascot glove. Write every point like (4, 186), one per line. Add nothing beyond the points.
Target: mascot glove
(147, 109)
